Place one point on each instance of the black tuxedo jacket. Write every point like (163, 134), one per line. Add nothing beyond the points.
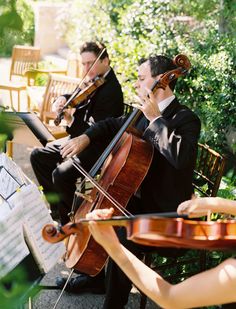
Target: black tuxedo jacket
(106, 101)
(174, 137)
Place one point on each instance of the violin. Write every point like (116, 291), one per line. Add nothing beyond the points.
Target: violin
(159, 231)
(82, 95)
(79, 95)
(87, 91)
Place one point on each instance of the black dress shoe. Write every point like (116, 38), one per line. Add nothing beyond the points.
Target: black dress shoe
(82, 284)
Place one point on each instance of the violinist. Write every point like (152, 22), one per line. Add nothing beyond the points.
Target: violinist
(212, 287)
(53, 173)
(173, 130)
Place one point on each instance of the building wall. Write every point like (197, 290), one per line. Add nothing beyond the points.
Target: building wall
(47, 35)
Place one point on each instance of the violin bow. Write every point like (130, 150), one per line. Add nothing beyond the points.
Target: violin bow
(90, 69)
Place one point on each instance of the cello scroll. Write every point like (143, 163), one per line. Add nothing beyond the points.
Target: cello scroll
(183, 65)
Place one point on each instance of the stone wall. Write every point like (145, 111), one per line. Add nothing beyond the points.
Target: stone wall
(47, 35)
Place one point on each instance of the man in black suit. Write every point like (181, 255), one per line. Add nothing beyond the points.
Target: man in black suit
(173, 131)
(55, 174)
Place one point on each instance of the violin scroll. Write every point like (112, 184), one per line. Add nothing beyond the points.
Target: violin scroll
(50, 233)
(53, 234)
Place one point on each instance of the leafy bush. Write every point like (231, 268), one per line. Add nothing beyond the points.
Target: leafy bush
(201, 29)
(16, 25)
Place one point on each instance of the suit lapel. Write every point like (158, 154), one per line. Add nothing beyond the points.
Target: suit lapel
(168, 112)
(143, 122)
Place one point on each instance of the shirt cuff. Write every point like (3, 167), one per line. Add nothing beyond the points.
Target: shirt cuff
(154, 120)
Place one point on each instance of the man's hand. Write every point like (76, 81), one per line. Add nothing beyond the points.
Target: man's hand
(74, 146)
(148, 105)
(58, 107)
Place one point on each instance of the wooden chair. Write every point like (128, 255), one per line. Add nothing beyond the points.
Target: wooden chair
(57, 85)
(208, 171)
(207, 176)
(23, 59)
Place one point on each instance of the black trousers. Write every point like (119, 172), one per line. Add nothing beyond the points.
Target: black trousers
(118, 285)
(59, 176)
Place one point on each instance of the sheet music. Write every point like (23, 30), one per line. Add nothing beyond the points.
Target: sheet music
(5, 209)
(13, 246)
(36, 216)
(13, 169)
(8, 184)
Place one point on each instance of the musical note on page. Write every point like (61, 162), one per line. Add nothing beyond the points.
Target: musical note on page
(13, 246)
(13, 169)
(5, 209)
(36, 216)
(8, 184)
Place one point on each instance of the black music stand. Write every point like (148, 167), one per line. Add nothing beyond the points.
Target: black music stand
(28, 129)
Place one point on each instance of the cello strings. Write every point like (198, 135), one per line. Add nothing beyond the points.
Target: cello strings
(124, 211)
(106, 194)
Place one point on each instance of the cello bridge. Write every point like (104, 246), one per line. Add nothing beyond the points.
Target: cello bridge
(86, 197)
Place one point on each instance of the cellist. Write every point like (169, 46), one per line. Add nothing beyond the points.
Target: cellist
(173, 130)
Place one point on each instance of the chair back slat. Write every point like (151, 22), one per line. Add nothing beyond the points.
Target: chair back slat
(57, 85)
(208, 171)
(23, 58)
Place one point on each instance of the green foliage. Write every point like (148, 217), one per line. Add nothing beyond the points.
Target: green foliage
(5, 132)
(52, 198)
(211, 88)
(201, 29)
(13, 287)
(16, 25)
(228, 186)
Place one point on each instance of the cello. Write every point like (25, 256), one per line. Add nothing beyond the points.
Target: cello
(115, 188)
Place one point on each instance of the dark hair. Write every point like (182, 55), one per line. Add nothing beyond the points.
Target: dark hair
(94, 47)
(160, 64)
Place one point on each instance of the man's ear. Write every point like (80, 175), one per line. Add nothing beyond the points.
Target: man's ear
(106, 61)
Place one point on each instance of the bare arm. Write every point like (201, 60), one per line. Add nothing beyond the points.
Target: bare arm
(200, 206)
(215, 286)
(212, 287)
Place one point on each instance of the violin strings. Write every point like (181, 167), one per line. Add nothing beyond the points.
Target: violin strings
(124, 211)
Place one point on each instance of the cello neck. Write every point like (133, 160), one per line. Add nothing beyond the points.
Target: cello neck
(131, 119)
